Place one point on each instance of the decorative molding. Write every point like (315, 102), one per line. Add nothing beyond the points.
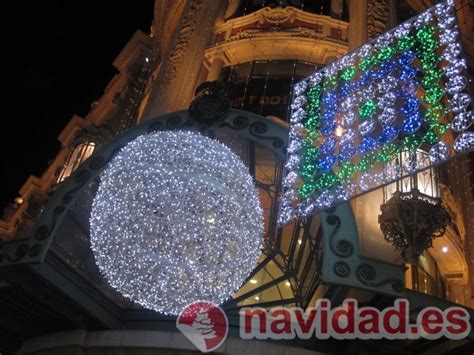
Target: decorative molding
(92, 133)
(300, 44)
(278, 16)
(367, 275)
(136, 46)
(342, 269)
(181, 44)
(378, 17)
(279, 33)
(342, 263)
(342, 247)
(454, 211)
(211, 102)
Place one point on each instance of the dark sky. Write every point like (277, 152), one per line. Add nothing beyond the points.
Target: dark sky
(61, 53)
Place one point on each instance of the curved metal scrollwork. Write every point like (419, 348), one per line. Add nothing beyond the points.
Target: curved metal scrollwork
(342, 247)
(366, 274)
(344, 265)
(342, 269)
(237, 123)
(259, 128)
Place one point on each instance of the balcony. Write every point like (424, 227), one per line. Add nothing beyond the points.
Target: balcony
(279, 33)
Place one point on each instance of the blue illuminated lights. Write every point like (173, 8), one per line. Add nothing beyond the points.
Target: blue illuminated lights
(327, 146)
(327, 162)
(412, 123)
(328, 128)
(329, 114)
(386, 68)
(401, 92)
(410, 109)
(365, 78)
(346, 89)
(368, 145)
(329, 98)
(410, 106)
(408, 73)
(389, 133)
(347, 152)
(406, 59)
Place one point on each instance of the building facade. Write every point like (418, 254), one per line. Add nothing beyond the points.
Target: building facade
(212, 60)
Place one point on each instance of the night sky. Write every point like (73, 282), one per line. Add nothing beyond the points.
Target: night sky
(61, 53)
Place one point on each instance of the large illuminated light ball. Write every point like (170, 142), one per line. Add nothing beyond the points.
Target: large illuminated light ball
(176, 219)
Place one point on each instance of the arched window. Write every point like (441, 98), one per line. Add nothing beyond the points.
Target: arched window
(80, 153)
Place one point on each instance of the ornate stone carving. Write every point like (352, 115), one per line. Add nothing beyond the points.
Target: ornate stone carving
(181, 45)
(300, 32)
(454, 211)
(277, 15)
(288, 19)
(378, 17)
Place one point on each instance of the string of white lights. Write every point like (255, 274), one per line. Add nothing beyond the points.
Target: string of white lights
(176, 219)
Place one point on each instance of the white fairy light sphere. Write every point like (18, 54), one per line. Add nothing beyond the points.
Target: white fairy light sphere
(176, 219)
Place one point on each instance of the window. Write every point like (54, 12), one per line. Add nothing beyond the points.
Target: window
(78, 155)
(265, 87)
(424, 276)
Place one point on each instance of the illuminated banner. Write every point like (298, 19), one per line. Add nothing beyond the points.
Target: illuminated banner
(402, 93)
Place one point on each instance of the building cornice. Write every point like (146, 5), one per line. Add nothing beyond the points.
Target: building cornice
(275, 46)
(285, 17)
(278, 34)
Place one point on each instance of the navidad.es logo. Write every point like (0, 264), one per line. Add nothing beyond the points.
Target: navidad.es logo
(204, 324)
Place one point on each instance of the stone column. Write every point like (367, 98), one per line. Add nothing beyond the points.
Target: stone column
(173, 88)
(357, 23)
(458, 176)
(379, 18)
(215, 69)
(456, 291)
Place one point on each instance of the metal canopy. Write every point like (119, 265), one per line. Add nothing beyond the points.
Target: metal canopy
(317, 256)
